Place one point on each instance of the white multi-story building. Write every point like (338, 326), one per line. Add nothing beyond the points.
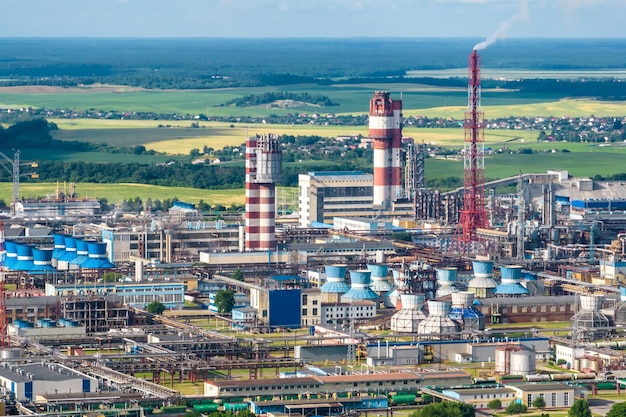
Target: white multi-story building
(324, 195)
(339, 313)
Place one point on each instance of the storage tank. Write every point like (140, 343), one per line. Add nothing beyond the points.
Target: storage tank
(503, 358)
(523, 362)
(11, 353)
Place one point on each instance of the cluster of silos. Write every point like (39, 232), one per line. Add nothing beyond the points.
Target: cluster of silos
(438, 325)
(510, 283)
(589, 323)
(407, 319)
(446, 278)
(483, 284)
(360, 282)
(515, 360)
(464, 312)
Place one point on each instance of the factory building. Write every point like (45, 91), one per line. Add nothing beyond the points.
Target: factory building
(26, 381)
(325, 195)
(263, 171)
(176, 242)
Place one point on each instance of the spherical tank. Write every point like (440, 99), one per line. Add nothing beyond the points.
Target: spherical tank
(523, 362)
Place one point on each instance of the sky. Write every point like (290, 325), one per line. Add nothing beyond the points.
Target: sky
(313, 18)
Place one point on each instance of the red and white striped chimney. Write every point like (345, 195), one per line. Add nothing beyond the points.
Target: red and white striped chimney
(263, 170)
(385, 130)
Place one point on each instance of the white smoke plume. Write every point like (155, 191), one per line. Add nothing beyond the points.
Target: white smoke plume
(522, 14)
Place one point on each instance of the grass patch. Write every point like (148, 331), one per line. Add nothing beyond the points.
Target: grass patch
(115, 193)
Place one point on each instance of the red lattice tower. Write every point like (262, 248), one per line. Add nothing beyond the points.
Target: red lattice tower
(4, 336)
(473, 215)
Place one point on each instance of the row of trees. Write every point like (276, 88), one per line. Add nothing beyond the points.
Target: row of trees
(270, 97)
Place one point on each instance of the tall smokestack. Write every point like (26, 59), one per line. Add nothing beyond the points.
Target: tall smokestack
(263, 171)
(385, 130)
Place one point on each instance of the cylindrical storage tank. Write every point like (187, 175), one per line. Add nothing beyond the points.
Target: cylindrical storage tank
(10, 257)
(11, 353)
(482, 269)
(439, 308)
(588, 363)
(446, 275)
(463, 298)
(42, 259)
(591, 302)
(523, 362)
(502, 360)
(412, 301)
(511, 274)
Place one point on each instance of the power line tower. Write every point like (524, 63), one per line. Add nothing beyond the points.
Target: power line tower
(12, 166)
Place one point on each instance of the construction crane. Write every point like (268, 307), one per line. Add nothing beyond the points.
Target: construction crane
(12, 166)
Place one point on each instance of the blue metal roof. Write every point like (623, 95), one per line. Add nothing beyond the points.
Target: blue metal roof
(97, 263)
(511, 289)
(459, 313)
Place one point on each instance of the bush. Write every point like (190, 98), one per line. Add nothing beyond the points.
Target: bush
(516, 408)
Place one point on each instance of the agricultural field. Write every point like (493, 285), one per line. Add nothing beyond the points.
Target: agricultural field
(115, 193)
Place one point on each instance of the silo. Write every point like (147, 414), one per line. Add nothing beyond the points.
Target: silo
(438, 324)
(503, 358)
(510, 284)
(410, 315)
(360, 281)
(589, 323)
(483, 284)
(335, 283)
(523, 362)
(464, 312)
(446, 277)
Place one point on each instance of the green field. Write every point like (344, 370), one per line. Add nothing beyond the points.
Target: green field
(114, 193)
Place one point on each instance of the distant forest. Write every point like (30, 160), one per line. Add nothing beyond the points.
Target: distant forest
(200, 63)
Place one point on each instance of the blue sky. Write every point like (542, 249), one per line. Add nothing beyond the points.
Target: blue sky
(313, 18)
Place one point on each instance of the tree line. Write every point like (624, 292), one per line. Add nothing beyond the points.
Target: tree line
(270, 97)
